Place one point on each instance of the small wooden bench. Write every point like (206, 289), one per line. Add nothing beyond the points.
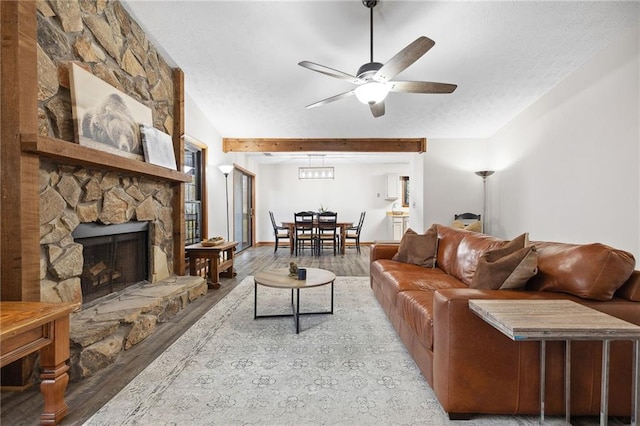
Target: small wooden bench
(219, 259)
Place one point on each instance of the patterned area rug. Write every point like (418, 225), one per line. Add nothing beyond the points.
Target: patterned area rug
(348, 368)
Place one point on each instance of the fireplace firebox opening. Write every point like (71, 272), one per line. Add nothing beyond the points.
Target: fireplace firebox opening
(115, 257)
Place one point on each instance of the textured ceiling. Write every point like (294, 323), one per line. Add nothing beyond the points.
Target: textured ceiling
(240, 60)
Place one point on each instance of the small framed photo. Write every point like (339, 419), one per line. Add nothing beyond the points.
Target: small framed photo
(158, 147)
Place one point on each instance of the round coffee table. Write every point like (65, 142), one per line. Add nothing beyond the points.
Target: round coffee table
(279, 278)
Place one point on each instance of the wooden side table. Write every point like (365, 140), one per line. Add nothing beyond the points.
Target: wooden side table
(220, 259)
(26, 327)
(565, 320)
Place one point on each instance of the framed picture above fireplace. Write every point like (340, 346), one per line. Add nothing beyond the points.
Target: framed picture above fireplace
(104, 117)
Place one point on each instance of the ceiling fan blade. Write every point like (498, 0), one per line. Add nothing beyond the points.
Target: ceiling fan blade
(331, 72)
(377, 109)
(421, 87)
(404, 58)
(331, 99)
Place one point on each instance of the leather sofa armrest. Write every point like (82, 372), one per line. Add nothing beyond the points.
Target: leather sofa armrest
(383, 251)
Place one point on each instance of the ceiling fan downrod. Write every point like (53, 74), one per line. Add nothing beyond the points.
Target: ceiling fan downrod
(370, 4)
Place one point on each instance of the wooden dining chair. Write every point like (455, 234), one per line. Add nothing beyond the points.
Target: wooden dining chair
(353, 233)
(468, 221)
(279, 232)
(304, 231)
(327, 231)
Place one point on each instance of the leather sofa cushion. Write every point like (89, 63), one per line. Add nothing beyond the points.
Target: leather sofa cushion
(459, 251)
(630, 290)
(416, 308)
(398, 277)
(591, 271)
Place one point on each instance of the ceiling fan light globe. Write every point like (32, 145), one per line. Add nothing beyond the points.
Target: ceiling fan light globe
(372, 92)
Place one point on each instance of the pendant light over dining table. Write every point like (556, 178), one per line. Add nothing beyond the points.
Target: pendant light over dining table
(321, 172)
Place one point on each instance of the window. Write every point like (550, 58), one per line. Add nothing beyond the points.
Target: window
(195, 205)
(405, 191)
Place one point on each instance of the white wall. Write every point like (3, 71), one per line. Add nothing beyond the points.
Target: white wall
(199, 127)
(356, 188)
(568, 167)
(450, 183)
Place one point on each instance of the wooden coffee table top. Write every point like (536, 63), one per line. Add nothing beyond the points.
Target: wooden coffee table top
(552, 319)
(280, 278)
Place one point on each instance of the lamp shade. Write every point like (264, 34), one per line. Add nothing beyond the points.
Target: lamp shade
(372, 92)
(485, 173)
(225, 169)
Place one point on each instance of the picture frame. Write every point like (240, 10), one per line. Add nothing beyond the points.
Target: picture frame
(104, 117)
(158, 147)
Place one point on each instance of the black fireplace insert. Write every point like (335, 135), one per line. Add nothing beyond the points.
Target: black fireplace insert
(115, 257)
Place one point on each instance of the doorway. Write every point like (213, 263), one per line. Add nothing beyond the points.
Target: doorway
(243, 207)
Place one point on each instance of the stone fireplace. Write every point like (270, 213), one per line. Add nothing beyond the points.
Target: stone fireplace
(55, 186)
(97, 200)
(106, 244)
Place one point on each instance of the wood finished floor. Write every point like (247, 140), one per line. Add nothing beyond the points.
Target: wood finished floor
(85, 397)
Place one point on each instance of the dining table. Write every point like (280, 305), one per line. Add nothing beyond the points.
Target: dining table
(343, 233)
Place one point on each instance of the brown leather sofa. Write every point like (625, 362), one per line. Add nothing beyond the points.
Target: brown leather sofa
(472, 367)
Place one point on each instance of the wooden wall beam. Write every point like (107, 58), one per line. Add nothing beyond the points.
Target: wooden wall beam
(178, 189)
(19, 209)
(20, 201)
(325, 145)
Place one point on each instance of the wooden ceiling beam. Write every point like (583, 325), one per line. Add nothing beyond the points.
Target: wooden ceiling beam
(325, 145)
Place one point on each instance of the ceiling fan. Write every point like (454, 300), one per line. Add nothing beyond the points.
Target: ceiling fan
(374, 80)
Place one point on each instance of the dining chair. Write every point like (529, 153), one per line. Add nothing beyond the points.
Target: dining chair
(327, 231)
(353, 233)
(304, 231)
(279, 232)
(468, 221)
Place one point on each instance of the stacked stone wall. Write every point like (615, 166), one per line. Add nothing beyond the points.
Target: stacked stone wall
(101, 37)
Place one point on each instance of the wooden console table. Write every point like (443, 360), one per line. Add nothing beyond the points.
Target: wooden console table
(26, 327)
(565, 320)
(220, 259)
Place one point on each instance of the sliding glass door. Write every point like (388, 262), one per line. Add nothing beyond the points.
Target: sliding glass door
(243, 207)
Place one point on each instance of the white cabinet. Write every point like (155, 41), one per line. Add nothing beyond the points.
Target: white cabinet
(393, 186)
(397, 228)
(399, 224)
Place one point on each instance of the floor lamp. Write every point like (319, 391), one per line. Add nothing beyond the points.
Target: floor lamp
(226, 169)
(484, 174)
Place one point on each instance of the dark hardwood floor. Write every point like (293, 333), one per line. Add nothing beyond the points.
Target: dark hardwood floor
(85, 397)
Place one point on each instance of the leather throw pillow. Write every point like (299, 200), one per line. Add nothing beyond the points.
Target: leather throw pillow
(507, 268)
(418, 249)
